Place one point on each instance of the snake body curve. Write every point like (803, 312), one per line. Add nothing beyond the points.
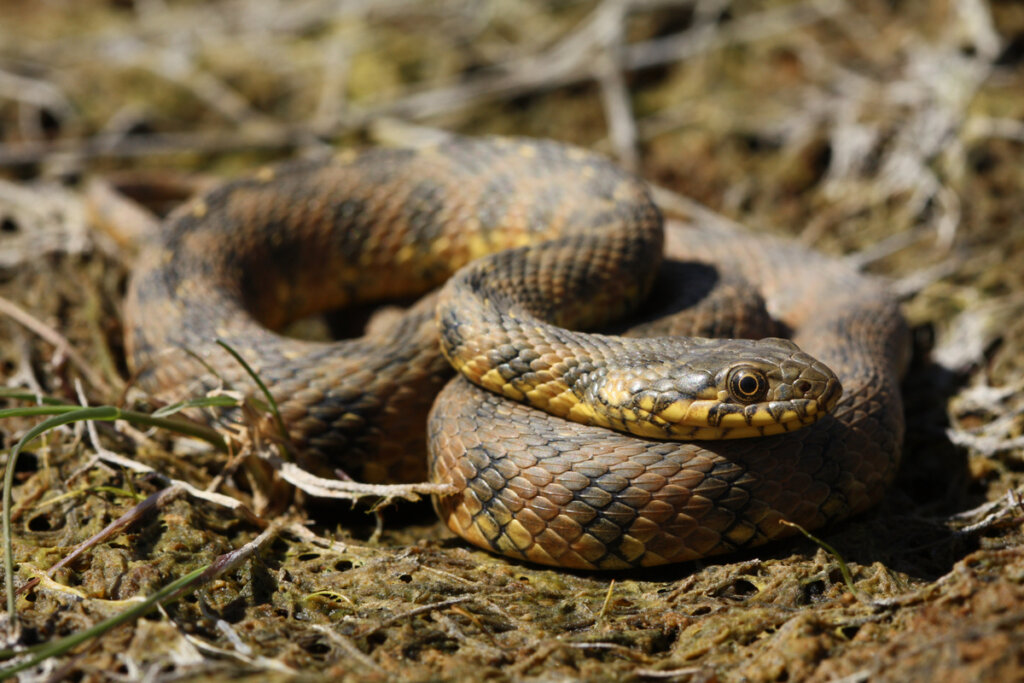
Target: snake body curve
(252, 255)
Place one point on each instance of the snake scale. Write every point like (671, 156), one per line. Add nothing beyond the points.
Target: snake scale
(564, 447)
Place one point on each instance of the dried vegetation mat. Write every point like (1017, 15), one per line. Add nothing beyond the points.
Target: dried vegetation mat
(140, 546)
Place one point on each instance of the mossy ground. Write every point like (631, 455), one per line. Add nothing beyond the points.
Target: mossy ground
(888, 133)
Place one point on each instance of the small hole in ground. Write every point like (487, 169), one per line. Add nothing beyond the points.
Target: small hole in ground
(40, 523)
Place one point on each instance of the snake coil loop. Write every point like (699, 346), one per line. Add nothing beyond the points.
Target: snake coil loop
(388, 223)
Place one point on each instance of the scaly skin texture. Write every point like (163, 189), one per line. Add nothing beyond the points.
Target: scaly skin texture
(384, 224)
(541, 489)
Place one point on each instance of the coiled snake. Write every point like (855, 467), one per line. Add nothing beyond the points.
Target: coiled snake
(555, 238)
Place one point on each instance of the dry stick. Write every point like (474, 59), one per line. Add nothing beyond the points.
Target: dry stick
(454, 631)
(36, 93)
(993, 127)
(54, 338)
(206, 87)
(231, 560)
(614, 647)
(236, 652)
(394, 132)
(909, 285)
(524, 664)
(704, 38)
(153, 502)
(331, 104)
(607, 600)
(602, 34)
(478, 622)
(419, 610)
(935, 131)
(622, 128)
(116, 145)
(352, 490)
(304, 534)
(1012, 498)
(668, 673)
(90, 426)
(885, 248)
(678, 206)
(184, 585)
(216, 94)
(570, 61)
(1008, 511)
(350, 648)
(986, 444)
(124, 220)
(209, 496)
(25, 374)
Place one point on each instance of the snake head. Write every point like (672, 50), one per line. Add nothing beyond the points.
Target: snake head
(718, 389)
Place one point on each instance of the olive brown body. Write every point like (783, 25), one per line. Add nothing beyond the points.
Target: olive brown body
(562, 446)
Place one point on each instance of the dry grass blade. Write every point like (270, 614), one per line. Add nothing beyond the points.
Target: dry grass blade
(55, 338)
(169, 593)
(153, 502)
(56, 648)
(353, 490)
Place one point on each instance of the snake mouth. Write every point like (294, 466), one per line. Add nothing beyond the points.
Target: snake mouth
(705, 420)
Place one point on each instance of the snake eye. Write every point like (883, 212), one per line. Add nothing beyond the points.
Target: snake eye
(747, 384)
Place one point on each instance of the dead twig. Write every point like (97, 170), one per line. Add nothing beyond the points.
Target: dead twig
(352, 490)
(349, 647)
(423, 609)
(57, 340)
(208, 496)
(668, 673)
(154, 502)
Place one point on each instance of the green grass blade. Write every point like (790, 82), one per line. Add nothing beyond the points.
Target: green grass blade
(23, 395)
(100, 413)
(56, 648)
(151, 420)
(843, 568)
(263, 387)
(193, 429)
(204, 402)
(31, 411)
(62, 415)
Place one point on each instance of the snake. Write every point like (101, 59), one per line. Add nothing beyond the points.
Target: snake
(566, 437)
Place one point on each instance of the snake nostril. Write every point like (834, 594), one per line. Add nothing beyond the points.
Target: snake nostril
(802, 386)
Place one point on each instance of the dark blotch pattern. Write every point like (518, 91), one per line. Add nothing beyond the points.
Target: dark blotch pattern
(258, 252)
